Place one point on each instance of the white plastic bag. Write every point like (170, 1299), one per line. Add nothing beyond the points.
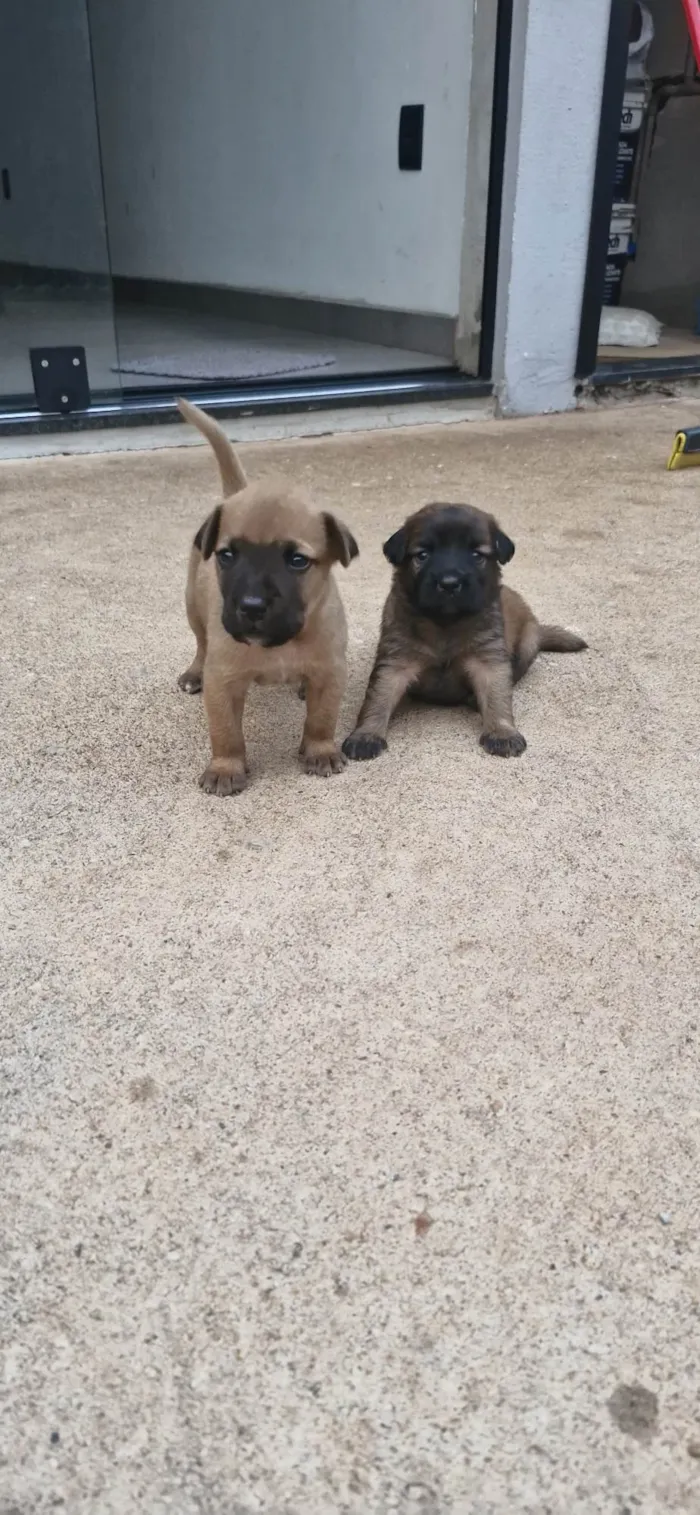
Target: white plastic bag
(627, 328)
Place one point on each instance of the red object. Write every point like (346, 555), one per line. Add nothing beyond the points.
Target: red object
(692, 16)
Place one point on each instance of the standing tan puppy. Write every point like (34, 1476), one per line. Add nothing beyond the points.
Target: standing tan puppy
(264, 608)
(451, 633)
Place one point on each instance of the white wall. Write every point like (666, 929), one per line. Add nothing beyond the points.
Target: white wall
(48, 138)
(253, 143)
(556, 78)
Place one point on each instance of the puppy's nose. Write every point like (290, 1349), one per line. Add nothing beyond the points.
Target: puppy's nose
(254, 606)
(449, 582)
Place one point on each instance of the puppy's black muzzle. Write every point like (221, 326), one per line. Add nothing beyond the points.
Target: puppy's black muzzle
(269, 623)
(450, 586)
(262, 600)
(449, 583)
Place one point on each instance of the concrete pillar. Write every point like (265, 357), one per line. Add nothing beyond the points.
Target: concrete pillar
(556, 80)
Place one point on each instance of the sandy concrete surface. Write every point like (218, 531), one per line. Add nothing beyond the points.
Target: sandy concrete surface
(350, 1128)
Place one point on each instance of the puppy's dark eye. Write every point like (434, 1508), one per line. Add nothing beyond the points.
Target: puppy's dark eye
(226, 555)
(297, 561)
(421, 555)
(477, 553)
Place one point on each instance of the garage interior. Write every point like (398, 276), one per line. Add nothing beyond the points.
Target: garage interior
(658, 269)
(242, 199)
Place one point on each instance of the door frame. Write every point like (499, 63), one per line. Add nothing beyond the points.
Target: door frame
(488, 114)
(614, 79)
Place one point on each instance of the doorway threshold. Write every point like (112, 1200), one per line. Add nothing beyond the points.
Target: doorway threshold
(292, 426)
(646, 370)
(160, 407)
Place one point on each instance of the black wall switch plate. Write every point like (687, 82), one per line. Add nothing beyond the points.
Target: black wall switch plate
(411, 137)
(60, 379)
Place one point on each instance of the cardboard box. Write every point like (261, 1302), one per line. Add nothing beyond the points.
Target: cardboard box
(620, 249)
(634, 105)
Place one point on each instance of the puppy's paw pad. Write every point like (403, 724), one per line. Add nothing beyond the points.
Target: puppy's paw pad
(222, 784)
(360, 746)
(190, 683)
(324, 767)
(503, 746)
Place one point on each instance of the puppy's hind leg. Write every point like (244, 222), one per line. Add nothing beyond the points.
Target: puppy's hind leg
(536, 639)
(526, 651)
(191, 680)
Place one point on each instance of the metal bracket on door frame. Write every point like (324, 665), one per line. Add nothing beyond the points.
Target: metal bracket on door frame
(60, 377)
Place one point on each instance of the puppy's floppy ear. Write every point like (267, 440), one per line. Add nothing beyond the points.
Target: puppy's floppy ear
(341, 542)
(206, 537)
(503, 546)
(395, 549)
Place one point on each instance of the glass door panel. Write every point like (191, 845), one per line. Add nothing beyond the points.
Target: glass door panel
(55, 281)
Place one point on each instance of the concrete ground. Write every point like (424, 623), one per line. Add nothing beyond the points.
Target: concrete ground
(350, 1129)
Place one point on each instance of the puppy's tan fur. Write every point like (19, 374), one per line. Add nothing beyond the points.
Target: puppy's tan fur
(268, 512)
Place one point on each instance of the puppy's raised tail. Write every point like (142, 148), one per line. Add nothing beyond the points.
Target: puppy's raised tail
(232, 475)
(556, 639)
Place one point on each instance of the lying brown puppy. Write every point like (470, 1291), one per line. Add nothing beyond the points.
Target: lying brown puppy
(264, 607)
(450, 633)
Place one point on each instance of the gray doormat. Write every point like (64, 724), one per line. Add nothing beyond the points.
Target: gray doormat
(237, 360)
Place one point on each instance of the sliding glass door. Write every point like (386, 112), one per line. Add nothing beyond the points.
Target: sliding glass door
(244, 208)
(57, 334)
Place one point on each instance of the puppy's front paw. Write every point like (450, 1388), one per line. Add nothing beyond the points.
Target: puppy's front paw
(510, 744)
(361, 746)
(223, 782)
(190, 681)
(323, 765)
